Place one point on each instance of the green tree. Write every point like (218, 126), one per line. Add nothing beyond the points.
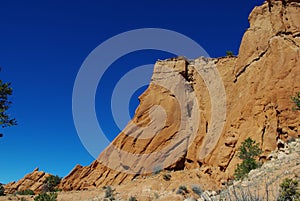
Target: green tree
(247, 152)
(296, 100)
(5, 119)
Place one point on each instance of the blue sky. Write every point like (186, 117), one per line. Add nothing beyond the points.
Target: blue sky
(44, 43)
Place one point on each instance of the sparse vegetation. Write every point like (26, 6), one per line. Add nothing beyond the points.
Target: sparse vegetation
(229, 53)
(167, 177)
(1, 190)
(156, 196)
(46, 197)
(288, 190)
(196, 189)
(157, 170)
(182, 190)
(247, 152)
(109, 193)
(132, 198)
(25, 192)
(296, 100)
(51, 183)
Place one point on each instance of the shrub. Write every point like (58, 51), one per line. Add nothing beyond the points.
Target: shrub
(109, 193)
(196, 189)
(296, 100)
(157, 170)
(131, 198)
(229, 53)
(46, 197)
(1, 190)
(50, 183)
(167, 177)
(25, 192)
(182, 190)
(288, 190)
(24, 199)
(247, 152)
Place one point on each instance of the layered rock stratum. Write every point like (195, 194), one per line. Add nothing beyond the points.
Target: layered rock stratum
(187, 120)
(33, 181)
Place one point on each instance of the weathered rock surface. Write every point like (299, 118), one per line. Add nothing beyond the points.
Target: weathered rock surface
(33, 181)
(258, 85)
(179, 123)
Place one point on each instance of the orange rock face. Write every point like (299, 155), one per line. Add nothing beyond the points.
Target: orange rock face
(196, 113)
(258, 85)
(33, 181)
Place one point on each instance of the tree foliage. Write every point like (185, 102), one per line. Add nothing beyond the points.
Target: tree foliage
(5, 119)
(247, 152)
(296, 100)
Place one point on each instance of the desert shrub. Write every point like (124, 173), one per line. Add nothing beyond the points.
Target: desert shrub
(109, 193)
(1, 190)
(24, 199)
(196, 189)
(182, 190)
(296, 100)
(167, 177)
(46, 197)
(229, 53)
(50, 183)
(247, 152)
(25, 192)
(288, 190)
(156, 196)
(157, 170)
(132, 198)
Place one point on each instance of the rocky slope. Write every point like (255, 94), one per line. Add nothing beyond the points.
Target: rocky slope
(189, 134)
(262, 183)
(193, 118)
(33, 181)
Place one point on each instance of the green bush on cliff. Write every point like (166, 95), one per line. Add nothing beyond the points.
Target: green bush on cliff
(247, 152)
(296, 100)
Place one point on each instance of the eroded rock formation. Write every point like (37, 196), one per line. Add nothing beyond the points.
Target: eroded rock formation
(258, 84)
(33, 181)
(186, 120)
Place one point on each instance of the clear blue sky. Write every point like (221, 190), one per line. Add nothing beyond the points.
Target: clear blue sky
(43, 44)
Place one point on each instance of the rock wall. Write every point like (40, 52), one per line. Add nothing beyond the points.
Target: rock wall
(33, 181)
(258, 84)
(187, 120)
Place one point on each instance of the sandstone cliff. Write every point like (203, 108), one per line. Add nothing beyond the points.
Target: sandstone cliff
(258, 84)
(33, 181)
(188, 120)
